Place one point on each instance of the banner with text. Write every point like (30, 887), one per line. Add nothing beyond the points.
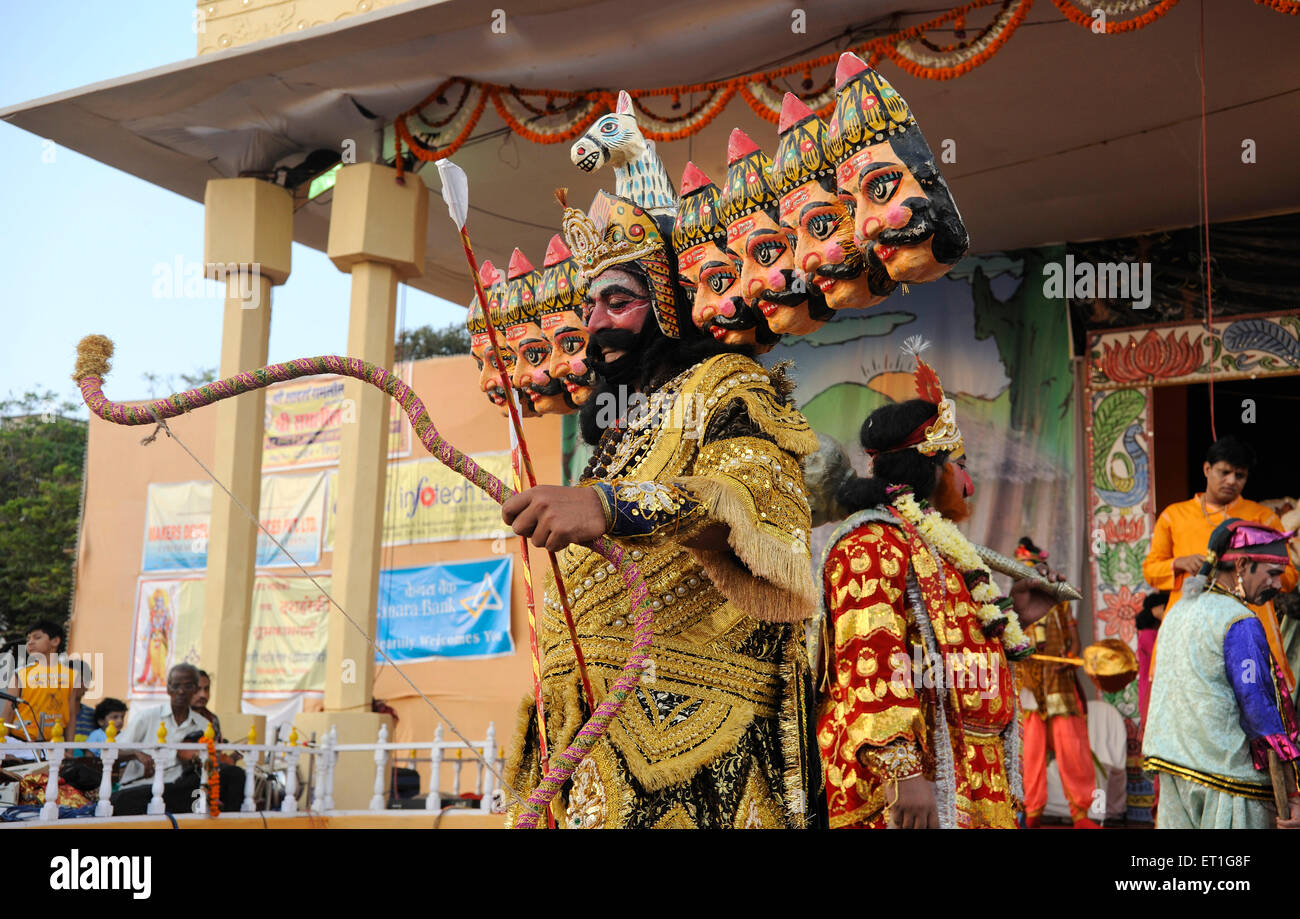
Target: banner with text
(287, 634)
(458, 610)
(177, 515)
(428, 502)
(168, 624)
(305, 418)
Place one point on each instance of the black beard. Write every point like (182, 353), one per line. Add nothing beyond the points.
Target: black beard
(878, 280)
(652, 360)
(626, 370)
(817, 306)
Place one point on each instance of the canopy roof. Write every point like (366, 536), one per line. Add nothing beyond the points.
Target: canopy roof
(1063, 135)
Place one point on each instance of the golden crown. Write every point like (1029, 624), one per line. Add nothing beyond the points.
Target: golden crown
(616, 232)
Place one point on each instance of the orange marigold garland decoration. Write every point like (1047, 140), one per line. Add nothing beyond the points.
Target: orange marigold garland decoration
(1084, 17)
(563, 115)
(214, 777)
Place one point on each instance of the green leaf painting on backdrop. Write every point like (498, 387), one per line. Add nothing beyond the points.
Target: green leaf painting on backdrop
(1001, 348)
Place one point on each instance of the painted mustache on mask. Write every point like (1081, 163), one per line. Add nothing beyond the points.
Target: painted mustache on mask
(917, 229)
(847, 270)
(553, 388)
(586, 379)
(746, 317)
(786, 297)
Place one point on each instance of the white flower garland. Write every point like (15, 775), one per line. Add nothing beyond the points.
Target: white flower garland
(943, 534)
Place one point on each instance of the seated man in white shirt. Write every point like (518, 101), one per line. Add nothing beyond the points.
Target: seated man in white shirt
(181, 777)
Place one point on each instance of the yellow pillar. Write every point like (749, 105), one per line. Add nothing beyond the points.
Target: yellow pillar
(377, 233)
(247, 241)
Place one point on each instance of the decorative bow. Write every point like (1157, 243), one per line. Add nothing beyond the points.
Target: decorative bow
(93, 353)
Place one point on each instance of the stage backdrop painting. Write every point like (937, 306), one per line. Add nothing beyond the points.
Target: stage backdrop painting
(1001, 348)
(168, 622)
(427, 502)
(177, 514)
(457, 610)
(304, 422)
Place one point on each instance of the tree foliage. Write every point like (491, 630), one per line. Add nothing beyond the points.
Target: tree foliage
(42, 452)
(426, 341)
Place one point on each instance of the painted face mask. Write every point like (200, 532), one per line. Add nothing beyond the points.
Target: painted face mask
(707, 272)
(902, 209)
(480, 343)
(818, 222)
(756, 239)
(559, 311)
(524, 335)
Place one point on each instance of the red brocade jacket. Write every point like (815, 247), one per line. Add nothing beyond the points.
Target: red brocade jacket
(899, 626)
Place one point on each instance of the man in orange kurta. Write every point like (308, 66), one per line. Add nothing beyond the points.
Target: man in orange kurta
(1183, 531)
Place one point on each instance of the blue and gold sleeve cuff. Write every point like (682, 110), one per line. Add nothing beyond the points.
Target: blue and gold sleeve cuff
(644, 508)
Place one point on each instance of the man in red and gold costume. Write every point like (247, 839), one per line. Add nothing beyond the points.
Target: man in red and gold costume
(1052, 709)
(917, 714)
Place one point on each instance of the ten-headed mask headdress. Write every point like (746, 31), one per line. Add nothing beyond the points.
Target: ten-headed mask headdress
(868, 110)
(749, 187)
(475, 321)
(559, 286)
(699, 215)
(616, 232)
(521, 294)
(801, 152)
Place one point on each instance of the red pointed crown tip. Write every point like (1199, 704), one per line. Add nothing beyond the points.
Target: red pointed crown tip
(793, 111)
(850, 66)
(739, 145)
(487, 273)
(693, 179)
(556, 251)
(519, 265)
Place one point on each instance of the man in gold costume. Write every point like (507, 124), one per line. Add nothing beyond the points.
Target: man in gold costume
(697, 474)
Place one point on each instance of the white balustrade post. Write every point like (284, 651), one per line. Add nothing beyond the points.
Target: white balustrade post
(54, 759)
(381, 760)
(250, 769)
(489, 783)
(318, 780)
(108, 756)
(459, 763)
(160, 763)
(290, 803)
(331, 756)
(200, 805)
(433, 800)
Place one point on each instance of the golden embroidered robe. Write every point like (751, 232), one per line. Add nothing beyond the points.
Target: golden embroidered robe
(715, 734)
(911, 683)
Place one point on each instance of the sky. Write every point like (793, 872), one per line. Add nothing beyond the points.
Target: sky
(85, 248)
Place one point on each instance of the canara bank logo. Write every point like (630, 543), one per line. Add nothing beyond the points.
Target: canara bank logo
(484, 600)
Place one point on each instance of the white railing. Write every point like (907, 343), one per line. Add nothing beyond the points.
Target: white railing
(270, 760)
